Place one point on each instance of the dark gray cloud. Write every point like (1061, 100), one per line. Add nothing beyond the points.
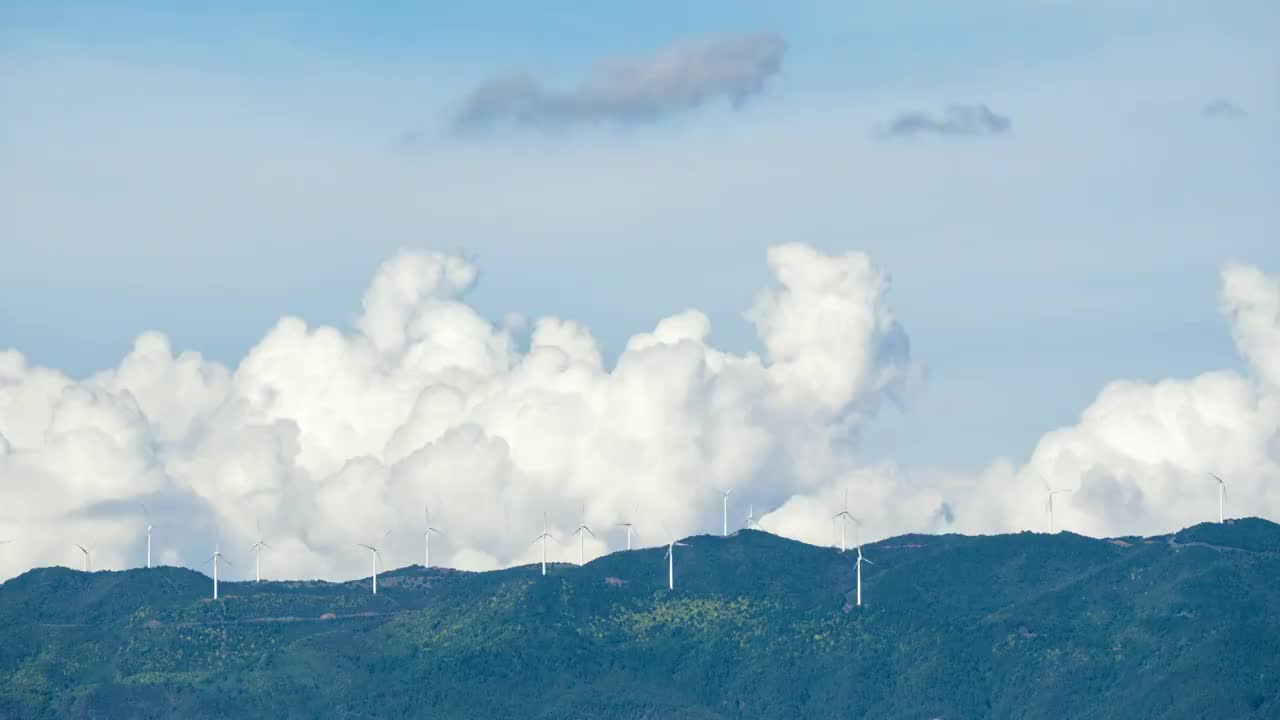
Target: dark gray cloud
(677, 78)
(1222, 107)
(956, 120)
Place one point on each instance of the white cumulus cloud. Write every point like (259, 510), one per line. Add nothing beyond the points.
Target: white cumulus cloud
(1137, 461)
(331, 438)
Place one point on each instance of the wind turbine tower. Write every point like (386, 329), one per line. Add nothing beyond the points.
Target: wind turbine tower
(1049, 504)
(751, 518)
(147, 514)
(88, 552)
(629, 528)
(217, 555)
(1222, 496)
(582, 539)
(671, 563)
(377, 558)
(543, 537)
(426, 537)
(257, 549)
(858, 570)
(725, 531)
(843, 517)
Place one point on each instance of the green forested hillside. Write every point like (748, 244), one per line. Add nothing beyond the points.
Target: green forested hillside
(1015, 626)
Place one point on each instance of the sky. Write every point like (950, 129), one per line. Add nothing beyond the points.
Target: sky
(1007, 209)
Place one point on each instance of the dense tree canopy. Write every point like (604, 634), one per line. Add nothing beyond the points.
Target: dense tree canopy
(1012, 626)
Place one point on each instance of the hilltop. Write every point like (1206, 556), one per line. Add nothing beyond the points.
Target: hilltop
(1008, 626)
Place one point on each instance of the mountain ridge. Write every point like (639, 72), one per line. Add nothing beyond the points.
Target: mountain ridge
(892, 542)
(1020, 625)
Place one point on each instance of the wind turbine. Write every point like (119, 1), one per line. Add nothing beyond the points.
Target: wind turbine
(214, 558)
(858, 569)
(843, 516)
(88, 552)
(543, 537)
(751, 517)
(671, 563)
(1222, 495)
(377, 558)
(582, 539)
(630, 528)
(426, 536)
(257, 548)
(725, 493)
(1049, 504)
(147, 514)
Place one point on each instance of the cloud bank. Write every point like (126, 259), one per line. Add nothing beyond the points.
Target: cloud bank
(675, 79)
(956, 120)
(1137, 461)
(330, 438)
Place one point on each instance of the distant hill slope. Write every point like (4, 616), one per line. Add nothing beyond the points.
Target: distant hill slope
(1011, 626)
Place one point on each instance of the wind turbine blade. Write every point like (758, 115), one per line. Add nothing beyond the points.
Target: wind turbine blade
(368, 547)
(589, 531)
(388, 532)
(1215, 477)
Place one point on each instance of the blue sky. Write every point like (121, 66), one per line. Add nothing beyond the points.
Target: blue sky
(205, 172)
